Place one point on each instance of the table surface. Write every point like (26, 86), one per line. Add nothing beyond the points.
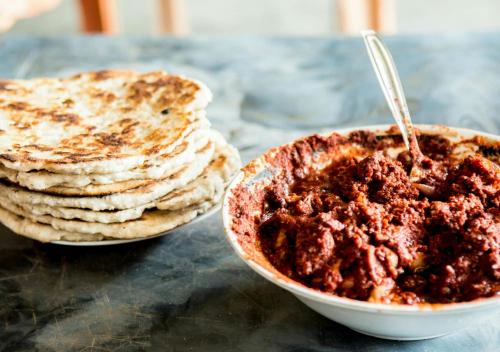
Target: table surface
(188, 290)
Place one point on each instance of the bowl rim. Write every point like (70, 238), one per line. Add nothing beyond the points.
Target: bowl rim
(344, 302)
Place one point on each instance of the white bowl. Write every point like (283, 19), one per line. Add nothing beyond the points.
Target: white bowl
(388, 321)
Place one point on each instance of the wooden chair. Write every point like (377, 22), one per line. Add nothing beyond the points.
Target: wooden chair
(173, 17)
(354, 15)
(102, 16)
(99, 16)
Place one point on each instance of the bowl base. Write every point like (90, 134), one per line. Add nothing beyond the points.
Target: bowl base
(398, 338)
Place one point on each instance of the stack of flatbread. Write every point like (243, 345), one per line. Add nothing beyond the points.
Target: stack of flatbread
(108, 155)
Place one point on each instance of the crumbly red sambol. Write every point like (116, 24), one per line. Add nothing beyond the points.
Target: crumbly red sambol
(358, 227)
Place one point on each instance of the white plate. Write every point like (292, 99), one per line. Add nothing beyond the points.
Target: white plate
(199, 218)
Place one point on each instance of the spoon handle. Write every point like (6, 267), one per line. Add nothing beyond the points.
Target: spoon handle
(390, 82)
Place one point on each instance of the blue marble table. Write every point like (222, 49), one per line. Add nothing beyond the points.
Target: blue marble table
(187, 291)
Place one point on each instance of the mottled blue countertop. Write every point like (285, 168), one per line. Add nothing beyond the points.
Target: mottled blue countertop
(188, 290)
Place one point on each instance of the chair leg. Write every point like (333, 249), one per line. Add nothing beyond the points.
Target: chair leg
(173, 17)
(384, 15)
(355, 15)
(99, 16)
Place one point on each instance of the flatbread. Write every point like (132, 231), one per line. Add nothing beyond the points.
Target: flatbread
(101, 190)
(150, 224)
(208, 186)
(122, 186)
(105, 217)
(75, 184)
(133, 198)
(98, 122)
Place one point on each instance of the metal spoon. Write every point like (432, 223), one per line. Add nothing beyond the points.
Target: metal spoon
(390, 83)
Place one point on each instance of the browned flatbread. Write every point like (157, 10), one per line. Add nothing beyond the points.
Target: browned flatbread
(98, 122)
